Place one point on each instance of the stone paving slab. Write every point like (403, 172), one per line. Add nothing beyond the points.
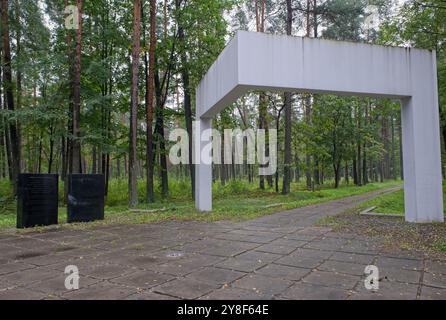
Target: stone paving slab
(307, 291)
(262, 285)
(281, 256)
(52, 288)
(283, 272)
(186, 288)
(342, 267)
(429, 293)
(332, 280)
(388, 290)
(102, 291)
(362, 259)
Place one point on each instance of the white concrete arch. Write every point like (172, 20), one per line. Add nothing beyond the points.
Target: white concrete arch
(258, 61)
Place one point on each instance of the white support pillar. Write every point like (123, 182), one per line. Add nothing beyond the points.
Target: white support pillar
(203, 168)
(421, 143)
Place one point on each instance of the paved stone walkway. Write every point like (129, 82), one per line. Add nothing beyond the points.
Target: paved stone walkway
(281, 256)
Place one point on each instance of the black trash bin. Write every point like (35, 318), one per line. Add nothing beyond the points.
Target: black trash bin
(85, 197)
(37, 200)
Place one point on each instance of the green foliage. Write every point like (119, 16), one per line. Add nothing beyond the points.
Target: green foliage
(441, 246)
(421, 24)
(7, 205)
(344, 20)
(330, 138)
(238, 200)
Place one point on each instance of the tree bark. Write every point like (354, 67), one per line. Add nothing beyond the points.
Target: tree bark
(150, 94)
(76, 145)
(365, 175)
(288, 112)
(393, 163)
(133, 158)
(308, 176)
(8, 88)
(359, 148)
(400, 132)
(160, 138)
(3, 156)
(187, 103)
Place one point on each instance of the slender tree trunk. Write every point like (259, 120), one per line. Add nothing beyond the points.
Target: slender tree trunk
(3, 156)
(107, 174)
(188, 115)
(288, 113)
(63, 150)
(2, 148)
(18, 56)
(8, 156)
(359, 147)
(276, 176)
(307, 14)
(39, 164)
(8, 88)
(133, 155)
(365, 176)
(316, 173)
(8, 152)
(336, 168)
(263, 125)
(297, 162)
(347, 178)
(51, 156)
(67, 165)
(94, 167)
(355, 172)
(308, 177)
(393, 158)
(6, 131)
(400, 131)
(307, 103)
(150, 95)
(19, 76)
(76, 145)
(315, 19)
(387, 152)
(263, 108)
(160, 138)
(222, 165)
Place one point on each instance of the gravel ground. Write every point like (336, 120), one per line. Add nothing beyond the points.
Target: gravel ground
(426, 239)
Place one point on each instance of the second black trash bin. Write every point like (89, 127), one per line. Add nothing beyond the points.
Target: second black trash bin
(85, 197)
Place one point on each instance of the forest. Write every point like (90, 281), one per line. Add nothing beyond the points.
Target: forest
(96, 87)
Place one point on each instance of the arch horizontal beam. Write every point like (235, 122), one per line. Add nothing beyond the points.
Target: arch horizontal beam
(261, 61)
(258, 61)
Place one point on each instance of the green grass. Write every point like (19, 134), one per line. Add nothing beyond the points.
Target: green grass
(7, 205)
(441, 246)
(392, 203)
(237, 201)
